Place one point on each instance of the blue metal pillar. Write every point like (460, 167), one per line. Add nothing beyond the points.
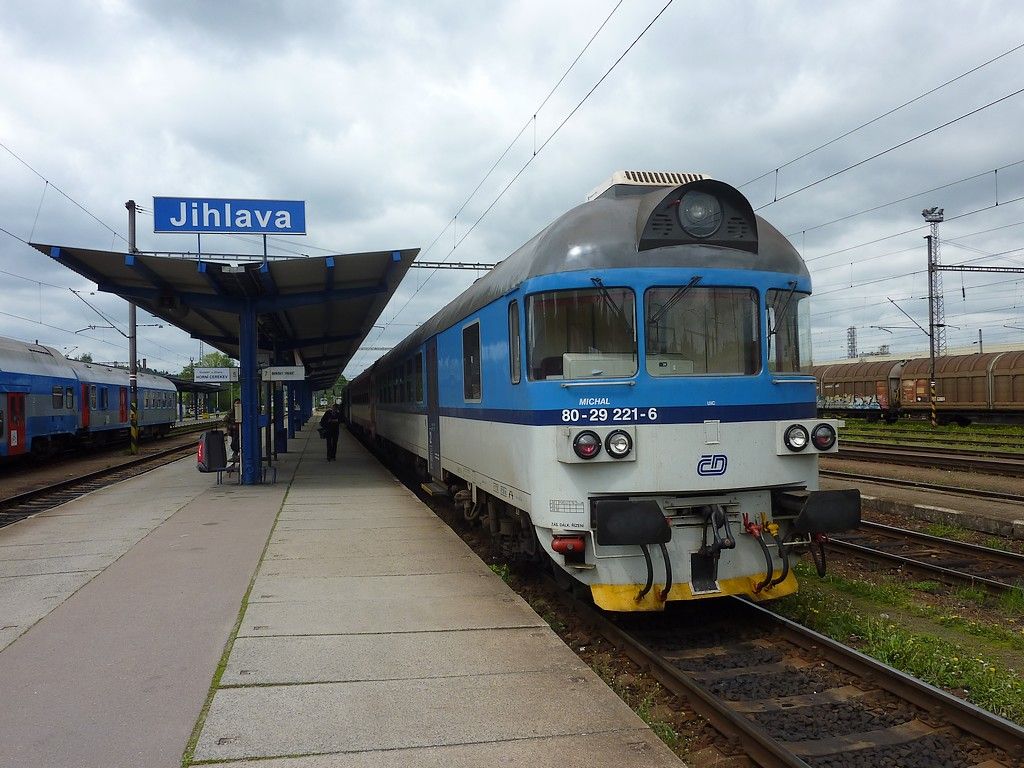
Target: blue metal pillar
(293, 414)
(307, 402)
(280, 431)
(250, 380)
(181, 406)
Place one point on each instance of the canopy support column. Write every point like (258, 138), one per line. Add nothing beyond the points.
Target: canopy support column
(250, 381)
(293, 414)
(280, 433)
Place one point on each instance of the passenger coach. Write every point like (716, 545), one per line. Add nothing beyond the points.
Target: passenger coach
(627, 395)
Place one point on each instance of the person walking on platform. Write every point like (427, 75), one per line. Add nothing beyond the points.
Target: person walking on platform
(231, 420)
(331, 422)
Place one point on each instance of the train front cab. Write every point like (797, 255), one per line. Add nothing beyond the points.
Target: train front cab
(695, 471)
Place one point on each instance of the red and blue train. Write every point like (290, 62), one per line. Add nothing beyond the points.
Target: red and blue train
(49, 403)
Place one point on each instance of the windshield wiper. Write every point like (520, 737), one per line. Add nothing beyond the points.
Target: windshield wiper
(674, 299)
(599, 283)
(781, 312)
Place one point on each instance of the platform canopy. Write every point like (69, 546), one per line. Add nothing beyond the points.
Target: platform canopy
(320, 308)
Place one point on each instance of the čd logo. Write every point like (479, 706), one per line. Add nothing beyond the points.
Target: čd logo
(712, 464)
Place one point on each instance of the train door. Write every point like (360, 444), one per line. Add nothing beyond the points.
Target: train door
(122, 405)
(85, 406)
(433, 413)
(15, 423)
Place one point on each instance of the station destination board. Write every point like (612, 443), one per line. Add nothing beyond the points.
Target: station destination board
(214, 375)
(222, 215)
(284, 373)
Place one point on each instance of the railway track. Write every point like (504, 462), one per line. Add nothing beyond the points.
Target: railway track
(955, 490)
(946, 560)
(22, 505)
(975, 461)
(787, 696)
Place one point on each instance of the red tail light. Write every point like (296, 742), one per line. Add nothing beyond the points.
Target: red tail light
(199, 453)
(568, 545)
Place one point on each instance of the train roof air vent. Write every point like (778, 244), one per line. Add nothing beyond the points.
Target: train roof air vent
(646, 179)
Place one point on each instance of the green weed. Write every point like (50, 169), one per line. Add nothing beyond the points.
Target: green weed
(502, 570)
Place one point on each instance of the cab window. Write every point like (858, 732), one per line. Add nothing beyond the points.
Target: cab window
(587, 333)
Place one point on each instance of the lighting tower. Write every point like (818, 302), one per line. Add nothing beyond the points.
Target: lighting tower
(851, 342)
(937, 319)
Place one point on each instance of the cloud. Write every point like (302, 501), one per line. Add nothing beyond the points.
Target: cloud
(385, 118)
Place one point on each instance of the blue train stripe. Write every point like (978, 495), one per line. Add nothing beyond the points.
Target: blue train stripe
(664, 414)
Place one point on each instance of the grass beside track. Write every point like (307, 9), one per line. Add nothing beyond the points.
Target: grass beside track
(939, 642)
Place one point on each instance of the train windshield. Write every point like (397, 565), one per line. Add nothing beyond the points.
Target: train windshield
(789, 331)
(696, 331)
(587, 333)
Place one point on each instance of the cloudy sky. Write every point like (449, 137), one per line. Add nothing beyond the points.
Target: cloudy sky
(385, 117)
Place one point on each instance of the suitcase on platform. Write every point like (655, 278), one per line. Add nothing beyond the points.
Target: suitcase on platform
(211, 456)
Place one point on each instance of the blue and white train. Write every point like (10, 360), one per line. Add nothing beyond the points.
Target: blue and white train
(627, 395)
(49, 403)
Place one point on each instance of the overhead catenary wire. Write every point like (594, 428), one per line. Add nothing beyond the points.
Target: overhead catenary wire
(530, 160)
(882, 116)
(68, 197)
(894, 147)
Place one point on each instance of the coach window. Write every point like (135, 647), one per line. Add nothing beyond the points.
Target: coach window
(92, 397)
(514, 343)
(471, 389)
(697, 331)
(419, 377)
(58, 398)
(581, 334)
(410, 382)
(789, 331)
(69, 398)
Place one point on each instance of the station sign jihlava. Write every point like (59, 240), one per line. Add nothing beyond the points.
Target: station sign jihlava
(222, 215)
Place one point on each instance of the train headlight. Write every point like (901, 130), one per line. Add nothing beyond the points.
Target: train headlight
(586, 444)
(796, 438)
(619, 444)
(700, 214)
(823, 436)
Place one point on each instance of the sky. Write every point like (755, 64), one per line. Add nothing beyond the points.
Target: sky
(387, 118)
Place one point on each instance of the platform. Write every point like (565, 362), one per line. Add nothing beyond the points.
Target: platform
(343, 624)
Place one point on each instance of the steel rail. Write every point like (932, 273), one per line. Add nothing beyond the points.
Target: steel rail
(1000, 464)
(966, 716)
(947, 575)
(754, 740)
(956, 490)
(944, 573)
(9, 505)
(762, 748)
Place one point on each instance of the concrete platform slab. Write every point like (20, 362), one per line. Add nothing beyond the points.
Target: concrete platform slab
(305, 589)
(382, 715)
(598, 750)
(109, 547)
(347, 658)
(410, 564)
(313, 544)
(117, 673)
(384, 520)
(48, 565)
(337, 617)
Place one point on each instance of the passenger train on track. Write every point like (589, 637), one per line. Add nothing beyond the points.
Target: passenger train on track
(49, 403)
(626, 396)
